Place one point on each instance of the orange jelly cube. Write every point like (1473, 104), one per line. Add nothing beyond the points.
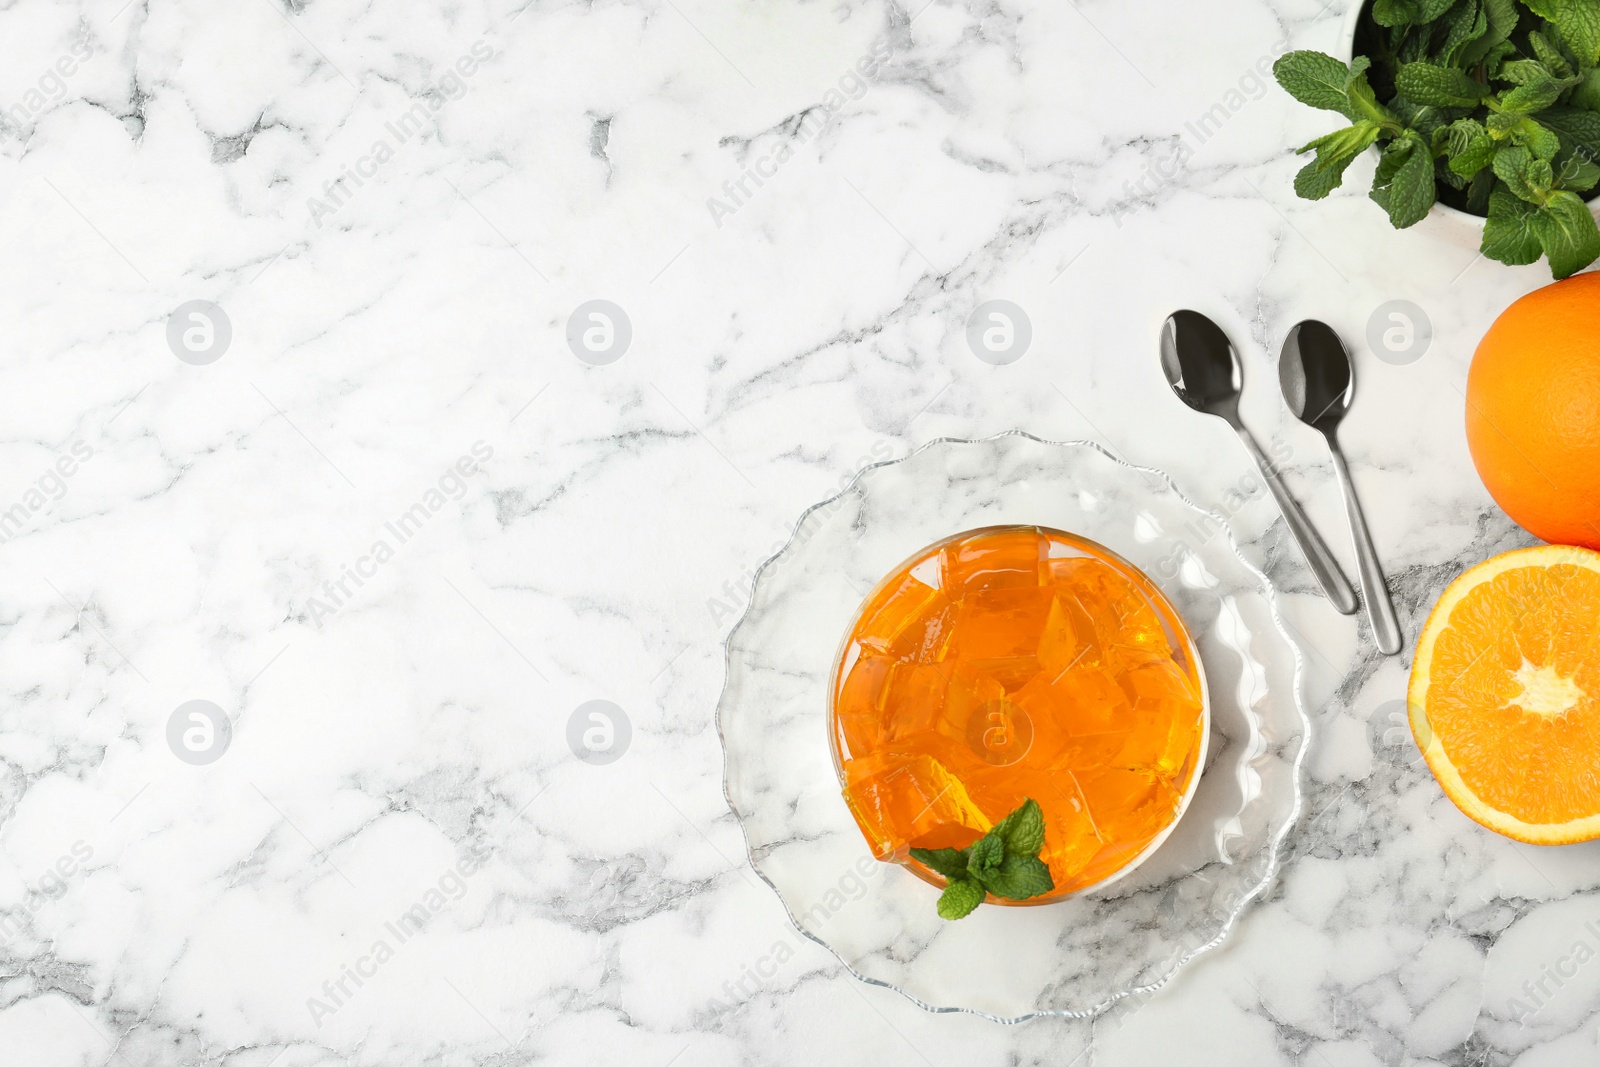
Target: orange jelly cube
(1069, 822)
(1129, 808)
(1069, 639)
(907, 802)
(915, 701)
(858, 702)
(1011, 663)
(905, 620)
(994, 559)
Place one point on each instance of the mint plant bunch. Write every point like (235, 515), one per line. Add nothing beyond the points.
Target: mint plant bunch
(1490, 106)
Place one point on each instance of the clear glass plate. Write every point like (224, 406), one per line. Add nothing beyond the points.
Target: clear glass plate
(1080, 956)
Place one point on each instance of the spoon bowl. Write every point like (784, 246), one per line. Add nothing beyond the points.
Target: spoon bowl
(1202, 365)
(1318, 385)
(1315, 374)
(1205, 371)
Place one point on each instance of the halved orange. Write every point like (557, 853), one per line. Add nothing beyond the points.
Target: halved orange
(1505, 694)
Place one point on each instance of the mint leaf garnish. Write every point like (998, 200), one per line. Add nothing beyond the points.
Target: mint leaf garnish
(1004, 862)
(950, 862)
(1019, 877)
(959, 899)
(1023, 830)
(986, 855)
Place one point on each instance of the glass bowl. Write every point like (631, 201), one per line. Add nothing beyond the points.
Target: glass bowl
(1019, 731)
(1083, 954)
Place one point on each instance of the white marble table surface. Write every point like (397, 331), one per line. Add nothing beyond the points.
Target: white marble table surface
(396, 532)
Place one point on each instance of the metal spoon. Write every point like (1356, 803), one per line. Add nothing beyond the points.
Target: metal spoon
(1318, 386)
(1204, 370)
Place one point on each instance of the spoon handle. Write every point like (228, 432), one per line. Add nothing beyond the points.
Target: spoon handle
(1380, 609)
(1323, 565)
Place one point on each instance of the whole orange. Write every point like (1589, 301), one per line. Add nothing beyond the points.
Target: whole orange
(1533, 411)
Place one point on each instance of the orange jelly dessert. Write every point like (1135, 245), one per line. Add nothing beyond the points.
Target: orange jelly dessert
(1017, 662)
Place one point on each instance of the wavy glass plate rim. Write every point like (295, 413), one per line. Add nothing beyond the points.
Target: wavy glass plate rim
(1269, 596)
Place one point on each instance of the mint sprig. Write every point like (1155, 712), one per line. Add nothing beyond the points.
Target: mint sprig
(1003, 862)
(1490, 105)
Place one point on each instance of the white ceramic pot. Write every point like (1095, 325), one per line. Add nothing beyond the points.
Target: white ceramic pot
(1447, 223)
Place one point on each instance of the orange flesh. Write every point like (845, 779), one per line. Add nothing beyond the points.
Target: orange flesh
(1513, 693)
(1015, 663)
